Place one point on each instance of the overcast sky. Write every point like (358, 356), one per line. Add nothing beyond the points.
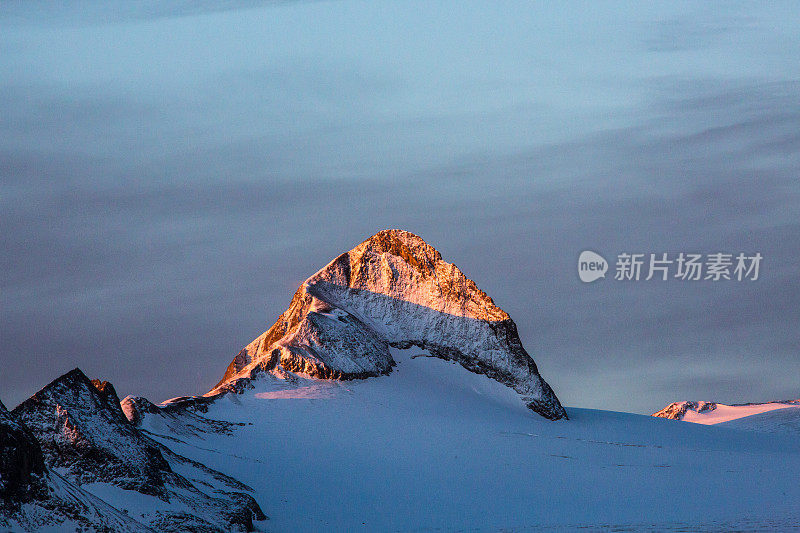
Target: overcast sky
(170, 176)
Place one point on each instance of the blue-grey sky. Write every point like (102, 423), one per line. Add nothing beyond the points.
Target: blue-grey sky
(169, 176)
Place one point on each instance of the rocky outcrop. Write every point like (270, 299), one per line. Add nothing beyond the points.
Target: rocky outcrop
(174, 417)
(77, 427)
(33, 497)
(82, 429)
(678, 410)
(135, 408)
(107, 391)
(395, 290)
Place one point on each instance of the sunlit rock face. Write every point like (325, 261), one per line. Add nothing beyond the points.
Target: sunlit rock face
(395, 290)
(678, 410)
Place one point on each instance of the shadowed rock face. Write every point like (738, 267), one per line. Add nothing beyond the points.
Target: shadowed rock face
(393, 289)
(21, 462)
(81, 427)
(77, 427)
(33, 498)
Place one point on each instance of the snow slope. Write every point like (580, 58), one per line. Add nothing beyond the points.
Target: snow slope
(433, 446)
(779, 420)
(727, 413)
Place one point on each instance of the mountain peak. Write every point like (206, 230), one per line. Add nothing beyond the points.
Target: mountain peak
(403, 244)
(401, 265)
(73, 432)
(386, 236)
(81, 427)
(393, 289)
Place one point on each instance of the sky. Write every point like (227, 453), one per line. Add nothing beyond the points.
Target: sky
(170, 175)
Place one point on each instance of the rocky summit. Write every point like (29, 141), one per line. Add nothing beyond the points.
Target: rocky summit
(392, 290)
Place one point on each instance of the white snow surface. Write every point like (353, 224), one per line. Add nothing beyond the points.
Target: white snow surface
(435, 447)
(726, 413)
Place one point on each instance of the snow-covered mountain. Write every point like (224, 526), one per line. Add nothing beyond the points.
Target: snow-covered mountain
(392, 395)
(783, 416)
(33, 497)
(73, 433)
(392, 290)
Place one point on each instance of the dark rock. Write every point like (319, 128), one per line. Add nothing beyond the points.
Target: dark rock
(21, 463)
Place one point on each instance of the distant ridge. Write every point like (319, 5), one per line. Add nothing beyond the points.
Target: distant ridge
(770, 416)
